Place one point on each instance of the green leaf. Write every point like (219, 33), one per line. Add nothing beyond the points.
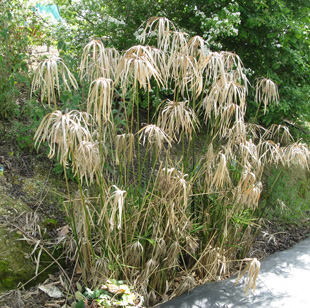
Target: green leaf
(61, 45)
(96, 293)
(79, 296)
(79, 287)
(80, 304)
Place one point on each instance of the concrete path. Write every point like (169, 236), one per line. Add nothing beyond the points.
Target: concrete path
(283, 281)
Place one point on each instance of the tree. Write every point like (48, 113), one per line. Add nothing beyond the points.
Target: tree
(274, 41)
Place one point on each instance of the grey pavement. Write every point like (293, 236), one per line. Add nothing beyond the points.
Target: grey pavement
(283, 281)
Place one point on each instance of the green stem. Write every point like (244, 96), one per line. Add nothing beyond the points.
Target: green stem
(85, 209)
(254, 120)
(72, 220)
(138, 137)
(194, 134)
(148, 107)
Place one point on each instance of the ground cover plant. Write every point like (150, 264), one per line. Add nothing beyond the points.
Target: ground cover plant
(159, 206)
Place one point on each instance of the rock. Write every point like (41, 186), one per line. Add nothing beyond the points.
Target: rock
(15, 264)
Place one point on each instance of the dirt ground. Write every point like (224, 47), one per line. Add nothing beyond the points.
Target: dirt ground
(268, 242)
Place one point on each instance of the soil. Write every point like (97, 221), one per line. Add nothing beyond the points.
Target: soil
(276, 237)
(268, 242)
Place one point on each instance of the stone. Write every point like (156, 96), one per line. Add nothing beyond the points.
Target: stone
(15, 264)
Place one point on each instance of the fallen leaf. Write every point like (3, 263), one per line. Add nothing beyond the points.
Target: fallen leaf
(51, 290)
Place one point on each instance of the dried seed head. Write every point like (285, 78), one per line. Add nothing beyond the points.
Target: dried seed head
(279, 133)
(187, 284)
(212, 66)
(297, 153)
(137, 66)
(227, 115)
(173, 186)
(270, 152)
(191, 244)
(221, 176)
(184, 71)
(255, 131)
(173, 254)
(118, 204)
(234, 67)
(135, 253)
(179, 43)
(163, 26)
(177, 118)
(197, 47)
(124, 148)
(68, 131)
(87, 161)
(149, 268)
(99, 102)
(222, 97)
(92, 61)
(266, 92)
(249, 153)
(253, 268)
(46, 77)
(155, 135)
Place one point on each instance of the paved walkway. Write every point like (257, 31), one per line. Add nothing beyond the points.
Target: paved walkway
(283, 281)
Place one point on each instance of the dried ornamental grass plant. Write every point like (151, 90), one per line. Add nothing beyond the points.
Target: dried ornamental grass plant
(178, 216)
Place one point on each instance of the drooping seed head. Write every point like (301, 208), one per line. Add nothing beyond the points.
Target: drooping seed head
(177, 118)
(154, 135)
(64, 131)
(137, 66)
(46, 77)
(99, 102)
(266, 92)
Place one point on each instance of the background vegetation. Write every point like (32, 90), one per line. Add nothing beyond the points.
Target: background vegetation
(271, 37)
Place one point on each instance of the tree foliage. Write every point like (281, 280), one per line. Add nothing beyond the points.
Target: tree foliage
(20, 27)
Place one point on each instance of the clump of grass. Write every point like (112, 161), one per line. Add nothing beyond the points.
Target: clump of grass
(143, 214)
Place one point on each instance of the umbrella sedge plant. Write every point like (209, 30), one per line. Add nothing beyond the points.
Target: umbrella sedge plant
(161, 215)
